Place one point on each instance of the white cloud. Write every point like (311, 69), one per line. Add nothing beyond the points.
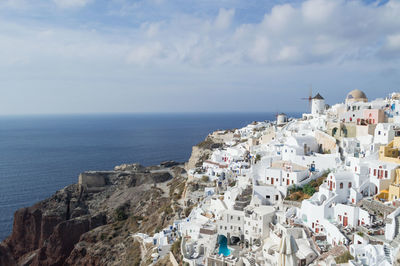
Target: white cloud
(288, 53)
(71, 3)
(393, 42)
(143, 54)
(317, 11)
(279, 17)
(259, 50)
(317, 31)
(224, 18)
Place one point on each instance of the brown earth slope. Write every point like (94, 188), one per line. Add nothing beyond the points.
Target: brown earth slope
(84, 225)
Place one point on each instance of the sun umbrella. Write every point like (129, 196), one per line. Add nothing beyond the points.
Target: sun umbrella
(287, 251)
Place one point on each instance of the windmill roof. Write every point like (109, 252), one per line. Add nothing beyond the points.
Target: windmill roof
(318, 97)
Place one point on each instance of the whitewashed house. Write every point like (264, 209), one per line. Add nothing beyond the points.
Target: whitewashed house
(385, 133)
(256, 223)
(231, 225)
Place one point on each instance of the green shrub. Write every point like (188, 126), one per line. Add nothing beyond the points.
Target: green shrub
(168, 210)
(344, 258)
(120, 214)
(205, 178)
(308, 189)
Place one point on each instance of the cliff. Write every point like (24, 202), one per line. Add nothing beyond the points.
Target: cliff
(202, 151)
(90, 223)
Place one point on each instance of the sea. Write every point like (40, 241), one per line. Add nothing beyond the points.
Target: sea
(42, 154)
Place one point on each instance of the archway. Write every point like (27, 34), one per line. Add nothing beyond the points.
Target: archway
(235, 240)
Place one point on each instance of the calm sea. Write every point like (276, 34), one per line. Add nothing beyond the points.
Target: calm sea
(42, 154)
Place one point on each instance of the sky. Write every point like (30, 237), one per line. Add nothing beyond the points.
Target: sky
(122, 56)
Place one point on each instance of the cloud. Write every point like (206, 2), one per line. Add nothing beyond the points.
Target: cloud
(393, 42)
(144, 53)
(71, 3)
(318, 11)
(224, 18)
(314, 32)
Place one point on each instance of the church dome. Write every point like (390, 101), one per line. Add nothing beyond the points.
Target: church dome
(356, 96)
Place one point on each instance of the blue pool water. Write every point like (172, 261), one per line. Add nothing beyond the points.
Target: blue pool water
(223, 246)
(42, 154)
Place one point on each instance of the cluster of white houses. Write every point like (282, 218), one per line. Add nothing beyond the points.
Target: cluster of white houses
(246, 218)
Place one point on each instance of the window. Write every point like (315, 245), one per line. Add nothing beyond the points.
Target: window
(386, 174)
(267, 178)
(226, 228)
(341, 185)
(239, 228)
(231, 217)
(276, 197)
(268, 196)
(349, 184)
(239, 220)
(220, 227)
(355, 169)
(379, 132)
(287, 175)
(231, 227)
(374, 172)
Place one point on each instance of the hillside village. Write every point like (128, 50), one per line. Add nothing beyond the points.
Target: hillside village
(323, 189)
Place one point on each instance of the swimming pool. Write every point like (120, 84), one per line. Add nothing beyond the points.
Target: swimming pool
(223, 246)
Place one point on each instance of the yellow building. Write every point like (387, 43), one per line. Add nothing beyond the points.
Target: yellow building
(390, 152)
(394, 188)
(393, 193)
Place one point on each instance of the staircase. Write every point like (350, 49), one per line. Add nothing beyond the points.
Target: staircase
(252, 261)
(388, 253)
(397, 229)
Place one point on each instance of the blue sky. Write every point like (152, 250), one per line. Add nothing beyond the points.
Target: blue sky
(91, 56)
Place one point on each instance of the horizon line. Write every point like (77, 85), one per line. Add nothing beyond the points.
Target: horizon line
(147, 113)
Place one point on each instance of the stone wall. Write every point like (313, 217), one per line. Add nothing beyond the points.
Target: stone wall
(90, 181)
(326, 142)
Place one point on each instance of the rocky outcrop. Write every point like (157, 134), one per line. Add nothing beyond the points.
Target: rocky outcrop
(79, 224)
(202, 151)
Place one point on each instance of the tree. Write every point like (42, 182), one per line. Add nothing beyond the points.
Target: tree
(205, 178)
(308, 189)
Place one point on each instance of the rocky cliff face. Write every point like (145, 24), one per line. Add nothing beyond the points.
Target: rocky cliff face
(90, 223)
(202, 152)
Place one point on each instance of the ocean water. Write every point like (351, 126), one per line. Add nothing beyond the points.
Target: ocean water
(42, 154)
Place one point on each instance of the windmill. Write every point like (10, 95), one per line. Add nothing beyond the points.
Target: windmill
(309, 98)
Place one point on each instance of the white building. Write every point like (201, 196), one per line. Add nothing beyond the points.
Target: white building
(256, 223)
(317, 105)
(231, 225)
(385, 133)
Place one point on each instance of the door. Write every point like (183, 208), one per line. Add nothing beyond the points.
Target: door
(345, 221)
(272, 181)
